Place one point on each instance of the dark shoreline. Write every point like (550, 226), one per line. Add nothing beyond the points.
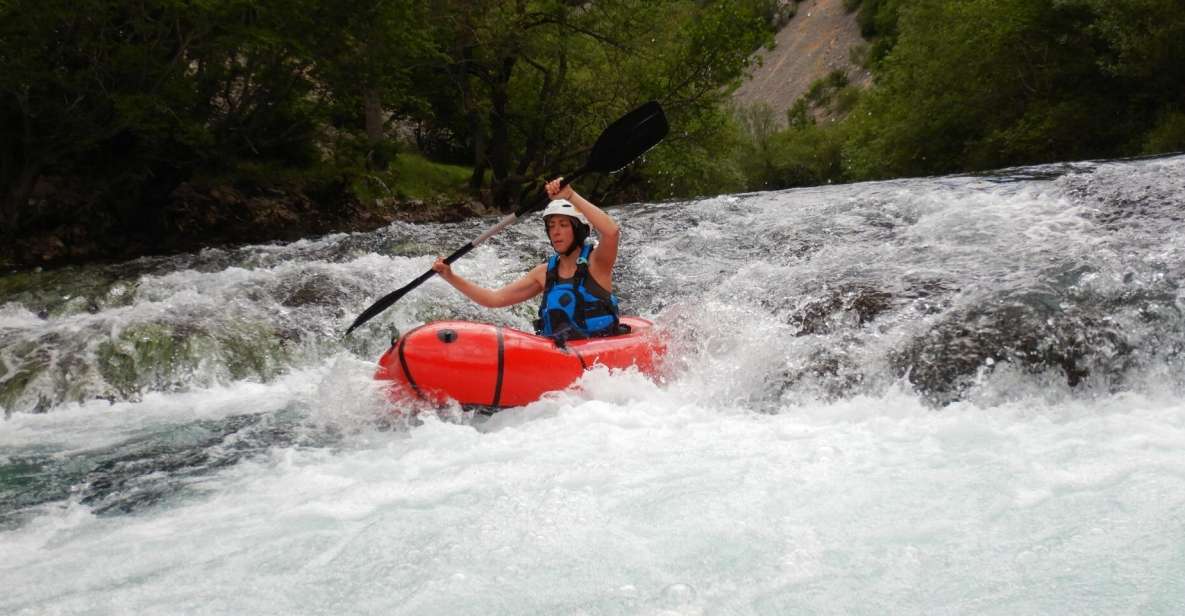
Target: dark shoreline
(197, 217)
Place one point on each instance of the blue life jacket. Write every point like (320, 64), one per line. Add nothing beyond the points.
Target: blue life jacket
(570, 309)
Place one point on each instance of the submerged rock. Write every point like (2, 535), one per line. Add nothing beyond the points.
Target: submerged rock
(946, 359)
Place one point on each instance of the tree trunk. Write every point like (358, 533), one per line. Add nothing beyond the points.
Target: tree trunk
(499, 149)
(537, 135)
(478, 131)
(16, 199)
(19, 170)
(7, 176)
(464, 68)
(374, 116)
(479, 152)
(372, 111)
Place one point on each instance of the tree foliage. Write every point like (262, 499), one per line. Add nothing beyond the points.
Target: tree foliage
(133, 98)
(537, 81)
(999, 82)
(977, 84)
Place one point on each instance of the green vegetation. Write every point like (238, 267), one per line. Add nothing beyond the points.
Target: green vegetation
(117, 105)
(965, 85)
(120, 104)
(413, 176)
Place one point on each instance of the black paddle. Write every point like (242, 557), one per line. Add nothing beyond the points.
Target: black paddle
(620, 143)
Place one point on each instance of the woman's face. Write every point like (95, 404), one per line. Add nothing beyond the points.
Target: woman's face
(560, 232)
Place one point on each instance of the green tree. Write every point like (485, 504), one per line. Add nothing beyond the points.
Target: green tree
(371, 65)
(83, 76)
(978, 84)
(538, 80)
(975, 84)
(707, 51)
(137, 97)
(134, 97)
(1145, 50)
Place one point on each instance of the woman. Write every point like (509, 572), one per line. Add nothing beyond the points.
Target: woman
(576, 282)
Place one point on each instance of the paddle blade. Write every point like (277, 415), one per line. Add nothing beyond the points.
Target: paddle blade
(389, 299)
(376, 308)
(628, 138)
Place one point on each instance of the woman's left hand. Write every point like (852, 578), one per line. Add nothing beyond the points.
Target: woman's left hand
(555, 192)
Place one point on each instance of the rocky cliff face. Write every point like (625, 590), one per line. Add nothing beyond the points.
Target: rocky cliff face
(817, 40)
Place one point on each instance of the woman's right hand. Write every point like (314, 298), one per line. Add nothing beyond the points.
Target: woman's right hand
(555, 191)
(444, 269)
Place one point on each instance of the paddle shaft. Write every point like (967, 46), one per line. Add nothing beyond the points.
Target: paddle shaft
(506, 221)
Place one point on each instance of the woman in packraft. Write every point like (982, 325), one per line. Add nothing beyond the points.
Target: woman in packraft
(576, 281)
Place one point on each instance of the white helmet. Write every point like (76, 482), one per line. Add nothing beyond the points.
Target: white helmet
(564, 207)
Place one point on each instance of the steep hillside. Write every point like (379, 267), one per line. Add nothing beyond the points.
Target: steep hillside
(816, 41)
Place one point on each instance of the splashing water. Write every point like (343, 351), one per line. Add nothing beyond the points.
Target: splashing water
(954, 395)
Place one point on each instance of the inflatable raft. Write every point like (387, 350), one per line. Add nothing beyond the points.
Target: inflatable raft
(484, 365)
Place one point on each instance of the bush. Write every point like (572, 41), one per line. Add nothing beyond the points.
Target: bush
(1167, 136)
(802, 154)
(412, 176)
(807, 156)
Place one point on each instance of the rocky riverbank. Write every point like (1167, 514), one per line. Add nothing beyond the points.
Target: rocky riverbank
(196, 215)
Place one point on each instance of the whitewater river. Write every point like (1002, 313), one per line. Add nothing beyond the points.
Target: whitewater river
(959, 395)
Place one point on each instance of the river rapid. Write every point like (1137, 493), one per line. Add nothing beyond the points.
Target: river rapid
(955, 395)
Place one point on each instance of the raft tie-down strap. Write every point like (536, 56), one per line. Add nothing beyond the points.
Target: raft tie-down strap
(567, 350)
(403, 364)
(501, 367)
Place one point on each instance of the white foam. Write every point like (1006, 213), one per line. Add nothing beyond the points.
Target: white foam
(621, 496)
